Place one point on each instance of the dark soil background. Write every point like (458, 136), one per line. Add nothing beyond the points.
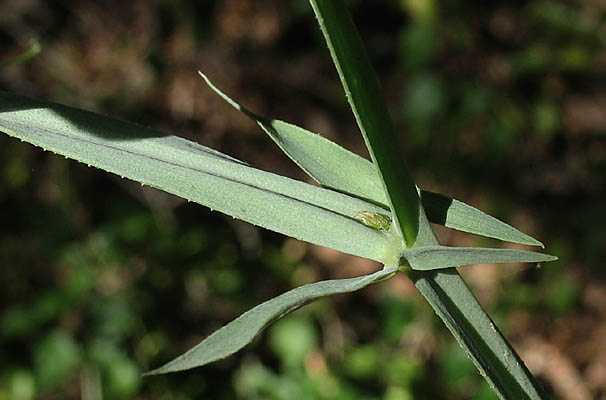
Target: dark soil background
(499, 104)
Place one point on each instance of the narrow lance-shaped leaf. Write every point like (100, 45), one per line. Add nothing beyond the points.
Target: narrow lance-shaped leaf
(238, 333)
(458, 215)
(199, 174)
(437, 257)
(337, 168)
(325, 161)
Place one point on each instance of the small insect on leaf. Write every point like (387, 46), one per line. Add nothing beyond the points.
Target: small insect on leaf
(374, 220)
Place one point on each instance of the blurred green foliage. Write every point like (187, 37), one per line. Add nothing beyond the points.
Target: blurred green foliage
(500, 104)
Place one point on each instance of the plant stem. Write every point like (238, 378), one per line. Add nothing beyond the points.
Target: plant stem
(366, 99)
(444, 289)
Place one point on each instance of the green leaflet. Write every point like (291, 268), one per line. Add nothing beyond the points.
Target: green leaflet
(438, 257)
(238, 333)
(337, 168)
(199, 174)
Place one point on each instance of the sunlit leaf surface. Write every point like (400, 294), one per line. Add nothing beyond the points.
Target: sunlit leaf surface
(199, 174)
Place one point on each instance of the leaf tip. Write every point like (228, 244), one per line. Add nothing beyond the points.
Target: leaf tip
(165, 369)
(534, 242)
(157, 371)
(206, 79)
(225, 97)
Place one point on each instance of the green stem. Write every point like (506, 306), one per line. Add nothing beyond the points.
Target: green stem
(366, 99)
(444, 289)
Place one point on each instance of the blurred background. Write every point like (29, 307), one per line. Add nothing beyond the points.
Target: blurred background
(499, 104)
